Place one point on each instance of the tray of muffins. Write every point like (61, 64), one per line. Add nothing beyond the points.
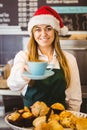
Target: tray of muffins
(41, 117)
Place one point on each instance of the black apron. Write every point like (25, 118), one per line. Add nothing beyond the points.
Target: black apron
(50, 90)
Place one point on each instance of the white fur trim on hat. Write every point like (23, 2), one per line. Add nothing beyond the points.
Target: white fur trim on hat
(49, 20)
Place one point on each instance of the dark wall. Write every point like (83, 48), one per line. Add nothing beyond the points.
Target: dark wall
(9, 46)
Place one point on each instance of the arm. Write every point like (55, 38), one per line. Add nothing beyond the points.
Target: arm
(73, 92)
(15, 81)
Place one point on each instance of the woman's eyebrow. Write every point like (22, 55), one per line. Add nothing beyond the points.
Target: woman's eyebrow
(37, 27)
(49, 26)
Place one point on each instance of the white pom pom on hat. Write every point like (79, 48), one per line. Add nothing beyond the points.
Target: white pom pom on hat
(47, 15)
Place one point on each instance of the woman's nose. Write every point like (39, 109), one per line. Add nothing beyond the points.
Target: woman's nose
(44, 32)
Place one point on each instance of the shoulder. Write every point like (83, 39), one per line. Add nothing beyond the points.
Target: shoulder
(71, 59)
(69, 56)
(21, 55)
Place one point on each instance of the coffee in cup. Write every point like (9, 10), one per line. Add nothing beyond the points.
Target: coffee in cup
(37, 68)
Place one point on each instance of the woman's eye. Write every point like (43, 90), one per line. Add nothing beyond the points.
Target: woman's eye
(38, 29)
(49, 28)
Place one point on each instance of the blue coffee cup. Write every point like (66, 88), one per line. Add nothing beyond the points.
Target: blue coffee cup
(37, 68)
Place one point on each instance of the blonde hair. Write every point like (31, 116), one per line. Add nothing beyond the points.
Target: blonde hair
(33, 55)
(62, 59)
(32, 49)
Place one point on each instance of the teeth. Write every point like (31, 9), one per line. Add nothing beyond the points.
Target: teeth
(44, 39)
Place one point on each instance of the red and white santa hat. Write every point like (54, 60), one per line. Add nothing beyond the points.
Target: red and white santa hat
(47, 15)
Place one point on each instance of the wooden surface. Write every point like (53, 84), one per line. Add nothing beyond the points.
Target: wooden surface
(74, 37)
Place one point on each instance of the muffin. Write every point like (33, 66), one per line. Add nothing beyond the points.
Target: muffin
(39, 120)
(40, 123)
(81, 123)
(21, 118)
(39, 108)
(42, 119)
(55, 125)
(27, 119)
(15, 119)
(67, 119)
(54, 117)
(57, 107)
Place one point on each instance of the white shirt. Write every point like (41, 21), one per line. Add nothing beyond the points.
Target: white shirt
(73, 93)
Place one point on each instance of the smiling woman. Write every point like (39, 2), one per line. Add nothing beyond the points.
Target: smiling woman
(63, 85)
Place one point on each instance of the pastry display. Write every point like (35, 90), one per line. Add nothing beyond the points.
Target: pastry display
(41, 117)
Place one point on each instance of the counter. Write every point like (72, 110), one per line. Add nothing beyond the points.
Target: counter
(16, 93)
(9, 92)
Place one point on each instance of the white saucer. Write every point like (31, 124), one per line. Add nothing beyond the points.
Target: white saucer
(47, 74)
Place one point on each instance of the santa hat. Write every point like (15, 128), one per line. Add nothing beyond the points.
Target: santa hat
(47, 15)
